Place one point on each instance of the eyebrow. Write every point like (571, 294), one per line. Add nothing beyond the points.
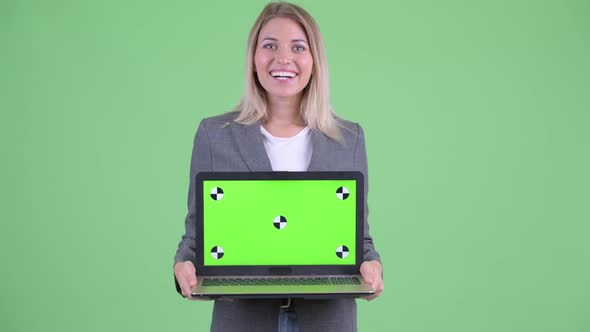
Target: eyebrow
(292, 40)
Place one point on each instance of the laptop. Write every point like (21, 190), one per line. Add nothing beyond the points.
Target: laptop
(279, 235)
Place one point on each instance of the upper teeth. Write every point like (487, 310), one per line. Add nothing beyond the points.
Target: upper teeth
(282, 73)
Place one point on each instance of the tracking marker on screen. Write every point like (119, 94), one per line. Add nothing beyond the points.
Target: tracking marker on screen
(342, 193)
(342, 251)
(280, 222)
(217, 193)
(217, 252)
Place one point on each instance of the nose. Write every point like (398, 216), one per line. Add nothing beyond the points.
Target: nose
(283, 56)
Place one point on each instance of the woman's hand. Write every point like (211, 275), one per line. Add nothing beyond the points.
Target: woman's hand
(186, 276)
(371, 272)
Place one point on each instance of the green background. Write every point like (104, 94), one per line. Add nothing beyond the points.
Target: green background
(476, 119)
(318, 222)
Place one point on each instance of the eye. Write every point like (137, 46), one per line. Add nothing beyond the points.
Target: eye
(298, 48)
(269, 46)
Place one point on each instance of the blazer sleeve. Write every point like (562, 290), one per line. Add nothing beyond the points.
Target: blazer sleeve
(201, 161)
(360, 163)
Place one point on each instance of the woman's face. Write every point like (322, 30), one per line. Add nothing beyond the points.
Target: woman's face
(282, 59)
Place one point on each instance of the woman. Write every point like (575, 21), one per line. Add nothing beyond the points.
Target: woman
(283, 123)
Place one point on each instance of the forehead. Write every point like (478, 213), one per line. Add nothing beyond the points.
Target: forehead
(282, 27)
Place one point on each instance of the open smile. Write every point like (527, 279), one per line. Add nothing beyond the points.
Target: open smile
(283, 75)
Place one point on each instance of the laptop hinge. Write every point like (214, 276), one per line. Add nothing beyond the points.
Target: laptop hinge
(280, 271)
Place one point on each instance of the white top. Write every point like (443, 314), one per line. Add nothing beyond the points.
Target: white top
(291, 154)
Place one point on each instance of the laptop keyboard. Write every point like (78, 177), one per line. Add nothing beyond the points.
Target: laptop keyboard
(281, 281)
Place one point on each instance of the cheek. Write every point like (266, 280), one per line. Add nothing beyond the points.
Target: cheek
(256, 63)
(259, 70)
(259, 62)
(256, 67)
(307, 61)
(308, 65)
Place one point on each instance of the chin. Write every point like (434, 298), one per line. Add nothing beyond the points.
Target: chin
(284, 94)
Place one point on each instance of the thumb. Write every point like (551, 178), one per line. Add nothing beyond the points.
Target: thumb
(375, 284)
(369, 278)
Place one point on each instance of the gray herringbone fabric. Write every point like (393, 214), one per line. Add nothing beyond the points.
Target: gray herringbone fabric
(222, 145)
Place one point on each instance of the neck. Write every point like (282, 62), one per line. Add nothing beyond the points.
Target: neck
(284, 111)
(284, 118)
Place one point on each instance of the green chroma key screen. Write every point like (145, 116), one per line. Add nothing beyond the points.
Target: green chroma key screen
(279, 222)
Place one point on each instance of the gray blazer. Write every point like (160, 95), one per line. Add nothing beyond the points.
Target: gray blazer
(222, 145)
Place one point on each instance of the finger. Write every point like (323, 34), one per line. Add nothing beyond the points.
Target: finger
(193, 282)
(190, 289)
(378, 288)
(369, 278)
(185, 287)
(377, 284)
(188, 293)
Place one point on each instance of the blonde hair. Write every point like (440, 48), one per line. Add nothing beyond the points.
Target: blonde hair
(315, 107)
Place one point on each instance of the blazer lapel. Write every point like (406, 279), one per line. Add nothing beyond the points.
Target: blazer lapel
(251, 147)
(320, 151)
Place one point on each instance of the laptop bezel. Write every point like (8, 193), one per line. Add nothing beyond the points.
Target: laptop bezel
(254, 270)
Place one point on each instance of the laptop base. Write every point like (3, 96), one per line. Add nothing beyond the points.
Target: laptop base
(305, 291)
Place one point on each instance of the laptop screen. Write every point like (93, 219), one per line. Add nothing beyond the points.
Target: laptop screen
(277, 222)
